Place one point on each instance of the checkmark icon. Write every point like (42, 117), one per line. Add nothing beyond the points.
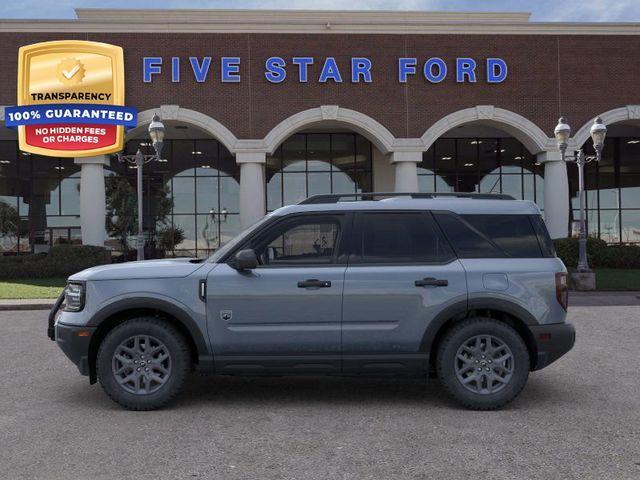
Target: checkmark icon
(71, 73)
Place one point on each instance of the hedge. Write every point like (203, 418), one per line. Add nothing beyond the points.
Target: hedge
(61, 261)
(599, 254)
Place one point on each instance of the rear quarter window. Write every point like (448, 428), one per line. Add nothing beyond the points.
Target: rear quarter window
(513, 234)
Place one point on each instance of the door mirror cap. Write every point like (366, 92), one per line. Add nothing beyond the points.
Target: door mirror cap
(245, 260)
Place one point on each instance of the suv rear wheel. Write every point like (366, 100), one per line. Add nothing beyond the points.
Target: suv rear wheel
(483, 363)
(143, 363)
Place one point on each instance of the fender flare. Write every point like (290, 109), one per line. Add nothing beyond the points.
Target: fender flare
(175, 310)
(461, 308)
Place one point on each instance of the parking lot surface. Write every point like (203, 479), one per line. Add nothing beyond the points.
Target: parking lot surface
(579, 418)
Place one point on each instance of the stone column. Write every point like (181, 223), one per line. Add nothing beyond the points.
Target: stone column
(406, 166)
(92, 199)
(556, 194)
(252, 187)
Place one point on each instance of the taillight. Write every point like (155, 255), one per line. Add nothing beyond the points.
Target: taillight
(562, 289)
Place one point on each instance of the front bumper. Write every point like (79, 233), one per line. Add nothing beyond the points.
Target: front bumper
(552, 342)
(74, 342)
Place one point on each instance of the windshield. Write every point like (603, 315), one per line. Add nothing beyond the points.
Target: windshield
(235, 241)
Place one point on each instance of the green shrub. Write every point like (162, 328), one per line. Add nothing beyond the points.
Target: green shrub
(599, 254)
(61, 261)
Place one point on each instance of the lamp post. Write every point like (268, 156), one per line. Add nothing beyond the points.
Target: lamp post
(562, 133)
(156, 133)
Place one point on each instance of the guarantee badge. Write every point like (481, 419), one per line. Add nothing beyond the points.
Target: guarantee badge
(71, 99)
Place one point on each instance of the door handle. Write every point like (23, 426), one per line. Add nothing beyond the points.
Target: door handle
(314, 283)
(431, 282)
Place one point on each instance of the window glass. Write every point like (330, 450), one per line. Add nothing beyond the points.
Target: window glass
(310, 242)
(514, 234)
(402, 238)
(468, 241)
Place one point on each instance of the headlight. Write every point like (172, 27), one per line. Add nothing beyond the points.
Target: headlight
(74, 297)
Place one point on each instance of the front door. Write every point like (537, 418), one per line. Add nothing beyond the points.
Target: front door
(401, 274)
(285, 314)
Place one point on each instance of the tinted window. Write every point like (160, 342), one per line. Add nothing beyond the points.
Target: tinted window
(468, 241)
(546, 244)
(402, 238)
(303, 242)
(514, 234)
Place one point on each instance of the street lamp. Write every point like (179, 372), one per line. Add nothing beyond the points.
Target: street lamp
(562, 133)
(156, 133)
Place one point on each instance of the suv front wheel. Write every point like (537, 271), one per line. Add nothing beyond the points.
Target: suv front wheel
(483, 363)
(143, 363)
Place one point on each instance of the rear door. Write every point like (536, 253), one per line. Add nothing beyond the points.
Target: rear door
(402, 272)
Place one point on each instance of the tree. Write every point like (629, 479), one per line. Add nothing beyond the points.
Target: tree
(122, 208)
(9, 222)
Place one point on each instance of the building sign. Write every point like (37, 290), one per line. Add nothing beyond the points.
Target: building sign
(323, 70)
(70, 99)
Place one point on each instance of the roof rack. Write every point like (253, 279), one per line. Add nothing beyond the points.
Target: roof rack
(366, 196)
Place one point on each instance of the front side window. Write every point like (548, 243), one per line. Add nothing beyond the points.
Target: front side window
(402, 238)
(306, 242)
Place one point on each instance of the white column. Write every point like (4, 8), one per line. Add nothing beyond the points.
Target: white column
(406, 166)
(92, 199)
(252, 188)
(556, 194)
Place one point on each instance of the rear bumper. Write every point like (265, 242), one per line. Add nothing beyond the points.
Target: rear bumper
(552, 342)
(74, 342)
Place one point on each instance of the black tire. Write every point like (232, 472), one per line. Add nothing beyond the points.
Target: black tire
(451, 370)
(179, 357)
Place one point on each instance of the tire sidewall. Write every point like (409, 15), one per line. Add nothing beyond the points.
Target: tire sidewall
(180, 362)
(449, 349)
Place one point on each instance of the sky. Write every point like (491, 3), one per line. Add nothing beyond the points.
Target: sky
(542, 10)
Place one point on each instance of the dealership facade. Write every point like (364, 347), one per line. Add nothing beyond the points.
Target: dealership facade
(263, 108)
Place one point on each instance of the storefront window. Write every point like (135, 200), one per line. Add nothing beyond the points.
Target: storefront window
(612, 191)
(316, 163)
(486, 165)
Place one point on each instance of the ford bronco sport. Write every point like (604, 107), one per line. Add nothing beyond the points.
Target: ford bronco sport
(464, 286)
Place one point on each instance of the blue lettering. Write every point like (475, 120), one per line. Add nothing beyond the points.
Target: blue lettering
(496, 70)
(200, 71)
(428, 70)
(175, 69)
(406, 66)
(330, 71)
(303, 64)
(151, 66)
(465, 67)
(230, 70)
(275, 69)
(360, 67)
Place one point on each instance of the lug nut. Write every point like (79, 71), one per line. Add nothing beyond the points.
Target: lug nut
(488, 369)
(479, 369)
(138, 369)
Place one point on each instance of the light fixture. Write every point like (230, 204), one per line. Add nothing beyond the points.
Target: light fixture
(632, 142)
(476, 142)
(562, 133)
(196, 152)
(156, 133)
(598, 132)
(58, 168)
(517, 158)
(446, 158)
(205, 166)
(224, 213)
(5, 161)
(468, 164)
(502, 150)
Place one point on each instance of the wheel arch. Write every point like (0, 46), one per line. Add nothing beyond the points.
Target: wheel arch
(121, 311)
(508, 312)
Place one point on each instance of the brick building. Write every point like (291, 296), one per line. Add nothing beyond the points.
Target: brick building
(264, 108)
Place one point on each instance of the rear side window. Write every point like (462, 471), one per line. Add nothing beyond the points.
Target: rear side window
(401, 238)
(546, 244)
(467, 240)
(513, 234)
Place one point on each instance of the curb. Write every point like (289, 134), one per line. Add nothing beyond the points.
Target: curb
(17, 305)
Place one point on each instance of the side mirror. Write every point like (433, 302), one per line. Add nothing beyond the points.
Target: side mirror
(245, 260)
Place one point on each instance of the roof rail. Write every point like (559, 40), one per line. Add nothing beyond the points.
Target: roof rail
(365, 196)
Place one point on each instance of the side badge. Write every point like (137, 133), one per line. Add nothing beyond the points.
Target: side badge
(226, 315)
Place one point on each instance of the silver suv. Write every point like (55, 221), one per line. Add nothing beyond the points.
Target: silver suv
(463, 286)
